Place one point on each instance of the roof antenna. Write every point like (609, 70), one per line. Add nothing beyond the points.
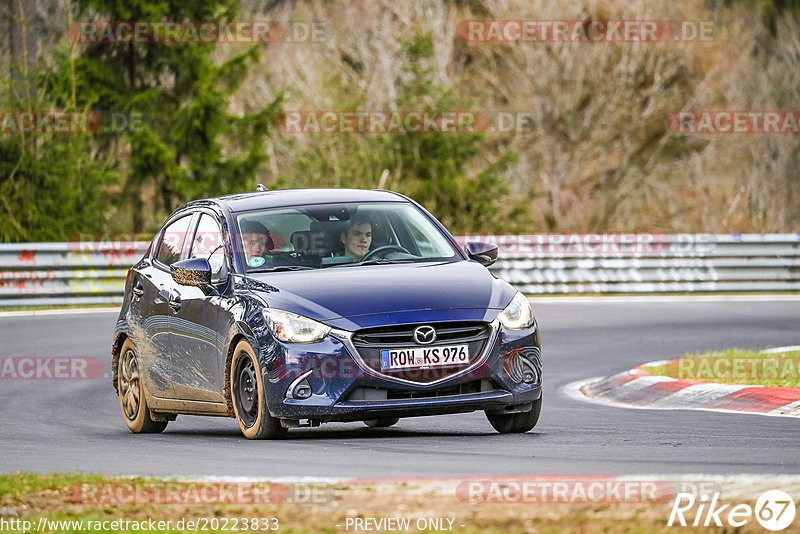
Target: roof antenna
(260, 188)
(382, 181)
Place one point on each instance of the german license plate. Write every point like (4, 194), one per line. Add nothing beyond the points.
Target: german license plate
(424, 357)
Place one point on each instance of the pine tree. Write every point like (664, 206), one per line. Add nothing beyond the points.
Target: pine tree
(189, 144)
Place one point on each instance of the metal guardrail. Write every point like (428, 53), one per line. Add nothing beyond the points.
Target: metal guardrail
(54, 274)
(648, 263)
(58, 274)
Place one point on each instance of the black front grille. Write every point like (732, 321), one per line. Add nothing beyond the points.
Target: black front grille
(367, 394)
(370, 341)
(459, 389)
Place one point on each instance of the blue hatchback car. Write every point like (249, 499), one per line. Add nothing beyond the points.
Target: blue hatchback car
(294, 308)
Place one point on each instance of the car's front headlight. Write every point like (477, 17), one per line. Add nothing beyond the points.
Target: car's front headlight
(518, 313)
(293, 328)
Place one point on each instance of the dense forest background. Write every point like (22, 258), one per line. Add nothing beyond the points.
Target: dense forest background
(595, 153)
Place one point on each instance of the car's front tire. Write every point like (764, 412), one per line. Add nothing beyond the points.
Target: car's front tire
(381, 423)
(131, 393)
(247, 393)
(516, 423)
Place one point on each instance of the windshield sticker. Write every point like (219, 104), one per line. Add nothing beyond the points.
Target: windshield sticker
(257, 261)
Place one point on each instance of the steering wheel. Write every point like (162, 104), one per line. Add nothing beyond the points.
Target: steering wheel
(385, 248)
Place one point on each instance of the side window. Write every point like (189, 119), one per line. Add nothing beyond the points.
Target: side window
(169, 250)
(208, 243)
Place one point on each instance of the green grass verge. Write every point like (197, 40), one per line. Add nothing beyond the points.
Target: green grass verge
(26, 485)
(735, 366)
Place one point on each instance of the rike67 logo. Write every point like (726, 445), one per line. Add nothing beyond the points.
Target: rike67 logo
(774, 510)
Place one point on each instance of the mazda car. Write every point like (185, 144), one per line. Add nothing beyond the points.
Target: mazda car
(292, 308)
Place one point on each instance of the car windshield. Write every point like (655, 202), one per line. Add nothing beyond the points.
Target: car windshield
(339, 235)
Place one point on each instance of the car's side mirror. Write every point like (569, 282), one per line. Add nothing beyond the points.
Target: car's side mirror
(483, 253)
(192, 272)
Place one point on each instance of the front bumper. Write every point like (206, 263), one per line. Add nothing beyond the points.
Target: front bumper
(344, 389)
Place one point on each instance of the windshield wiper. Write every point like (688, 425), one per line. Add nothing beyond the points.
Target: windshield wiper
(382, 261)
(281, 268)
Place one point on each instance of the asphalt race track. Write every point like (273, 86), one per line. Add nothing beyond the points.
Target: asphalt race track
(75, 425)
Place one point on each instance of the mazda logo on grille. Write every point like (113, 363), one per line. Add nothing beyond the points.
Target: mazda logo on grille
(424, 335)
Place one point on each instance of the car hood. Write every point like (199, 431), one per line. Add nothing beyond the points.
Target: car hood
(370, 295)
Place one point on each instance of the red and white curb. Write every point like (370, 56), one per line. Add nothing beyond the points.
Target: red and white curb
(636, 388)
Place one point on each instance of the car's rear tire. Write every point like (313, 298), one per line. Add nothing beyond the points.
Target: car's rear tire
(515, 423)
(381, 423)
(247, 393)
(130, 389)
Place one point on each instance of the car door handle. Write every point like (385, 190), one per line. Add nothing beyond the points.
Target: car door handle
(175, 303)
(138, 290)
(163, 296)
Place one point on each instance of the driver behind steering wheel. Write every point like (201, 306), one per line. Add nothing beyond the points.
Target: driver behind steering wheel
(358, 238)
